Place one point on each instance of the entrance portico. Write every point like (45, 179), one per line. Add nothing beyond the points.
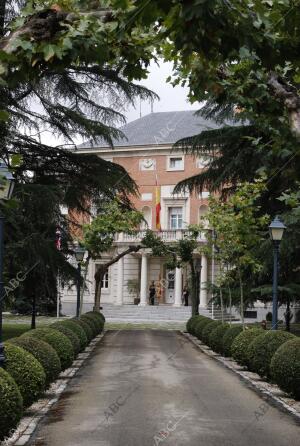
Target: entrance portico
(168, 283)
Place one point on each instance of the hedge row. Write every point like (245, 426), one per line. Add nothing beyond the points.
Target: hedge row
(274, 355)
(36, 358)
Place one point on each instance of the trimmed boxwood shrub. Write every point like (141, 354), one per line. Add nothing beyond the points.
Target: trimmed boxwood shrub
(200, 325)
(262, 348)
(285, 367)
(192, 322)
(11, 404)
(100, 316)
(216, 338)
(229, 337)
(241, 342)
(189, 323)
(70, 335)
(208, 329)
(61, 344)
(93, 323)
(26, 371)
(78, 330)
(43, 352)
(86, 327)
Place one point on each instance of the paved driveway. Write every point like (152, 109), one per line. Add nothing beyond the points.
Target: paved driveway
(153, 387)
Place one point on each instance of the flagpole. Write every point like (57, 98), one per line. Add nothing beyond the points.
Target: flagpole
(157, 204)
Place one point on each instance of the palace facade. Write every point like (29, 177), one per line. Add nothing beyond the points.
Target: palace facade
(148, 157)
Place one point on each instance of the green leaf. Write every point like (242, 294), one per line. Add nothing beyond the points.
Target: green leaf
(16, 160)
(49, 52)
(4, 115)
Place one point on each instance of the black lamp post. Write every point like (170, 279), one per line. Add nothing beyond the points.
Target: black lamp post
(79, 255)
(6, 190)
(198, 267)
(276, 229)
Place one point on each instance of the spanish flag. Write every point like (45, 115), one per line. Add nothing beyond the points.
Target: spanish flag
(157, 205)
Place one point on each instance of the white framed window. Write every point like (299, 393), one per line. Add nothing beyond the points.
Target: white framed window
(175, 217)
(202, 216)
(147, 222)
(146, 196)
(204, 195)
(105, 282)
(171, 280)
(175, 162)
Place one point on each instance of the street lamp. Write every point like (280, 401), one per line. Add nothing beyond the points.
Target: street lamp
(276, 229)
(79, 255)
(6, 190)
(198, 267)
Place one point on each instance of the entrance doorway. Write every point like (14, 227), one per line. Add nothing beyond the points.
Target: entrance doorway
(170, 290)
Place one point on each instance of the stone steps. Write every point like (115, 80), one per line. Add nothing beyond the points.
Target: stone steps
(160, 313)
(217, 314)
(148, 313)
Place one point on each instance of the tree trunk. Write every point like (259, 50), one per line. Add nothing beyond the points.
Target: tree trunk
(194, 293)
(99, 276)
(83, 285)
(288, 314)
(2, 16)
(230, 304)
(222, 305)
(241, 298)
(33, 313)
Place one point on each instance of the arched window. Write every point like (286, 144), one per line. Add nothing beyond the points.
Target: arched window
(147, 223)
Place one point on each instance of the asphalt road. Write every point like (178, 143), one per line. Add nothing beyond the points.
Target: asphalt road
(153, 387)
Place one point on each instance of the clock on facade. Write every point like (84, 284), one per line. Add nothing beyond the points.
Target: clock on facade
(147, 164)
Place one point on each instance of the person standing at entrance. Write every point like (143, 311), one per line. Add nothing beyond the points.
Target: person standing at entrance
(152, 292)
(185, 295)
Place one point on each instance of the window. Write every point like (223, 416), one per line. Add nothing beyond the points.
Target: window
(175, 218)
(146, 197)
(175, 163)
(147, 222)
(202, 216)
(105, 282)
(171, 280)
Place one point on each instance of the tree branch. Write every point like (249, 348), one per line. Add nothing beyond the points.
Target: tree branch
(289, 96)
(122, 254)
(44, 25)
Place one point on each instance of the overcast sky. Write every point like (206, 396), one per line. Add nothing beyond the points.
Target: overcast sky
(171, 98)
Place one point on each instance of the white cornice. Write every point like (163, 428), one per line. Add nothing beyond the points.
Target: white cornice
(133, 150)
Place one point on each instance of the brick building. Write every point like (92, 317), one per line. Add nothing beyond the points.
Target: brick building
(147, 155)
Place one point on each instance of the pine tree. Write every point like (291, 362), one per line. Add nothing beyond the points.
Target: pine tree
(63, 76)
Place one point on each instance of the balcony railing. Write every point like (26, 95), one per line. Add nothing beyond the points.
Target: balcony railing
(167, 236)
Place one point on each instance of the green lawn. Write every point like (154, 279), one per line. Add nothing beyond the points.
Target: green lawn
(13, 330)
(16, 325)
(295, 328)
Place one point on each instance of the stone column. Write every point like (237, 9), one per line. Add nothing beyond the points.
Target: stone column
(120, 283)
(203, 282)
(178, 287)
(144, 281)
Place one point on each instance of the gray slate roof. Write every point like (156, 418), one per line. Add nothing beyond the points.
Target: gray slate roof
(158, 128)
